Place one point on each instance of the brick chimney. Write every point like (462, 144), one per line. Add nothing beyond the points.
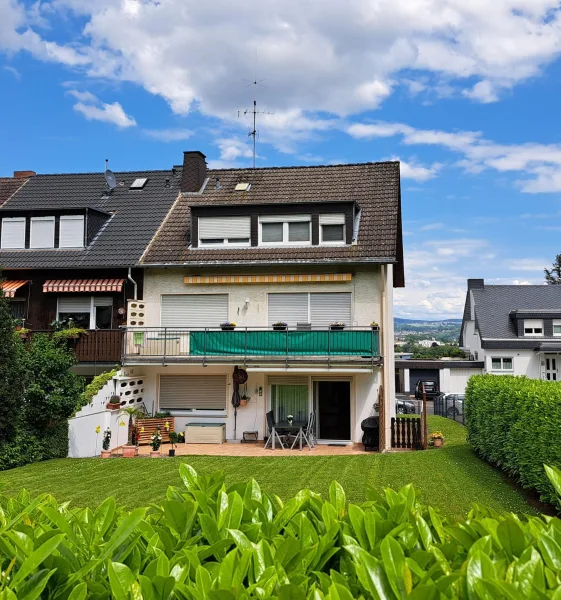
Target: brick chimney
(476, 284)
(194, 171)
(24, 174)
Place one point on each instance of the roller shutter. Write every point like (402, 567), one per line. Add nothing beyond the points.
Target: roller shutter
(13, 232)
(288, 380)
(194, 310)
(333, 219)
(71, 231)
(224, 227)
(76, 304)
(193, 392)
(42, 232)
(330, 308)
(288, 308)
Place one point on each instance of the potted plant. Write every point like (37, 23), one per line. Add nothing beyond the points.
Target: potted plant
(173, 439)
(70, 333)
(156, 442)
(374, 325)
(23, 332)
(244, 399)
(290, 418)
(228, 326)
(130, 450)
(280, 326)
(337, 326)
(436, 439)
(106, 453)
(114, 402)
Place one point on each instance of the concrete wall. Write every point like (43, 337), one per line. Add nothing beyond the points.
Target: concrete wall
(366, 287)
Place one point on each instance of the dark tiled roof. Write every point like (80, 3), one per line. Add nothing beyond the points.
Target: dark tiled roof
(375, 187)
(494, 303)
(419, 363)
(8, 186)
(136, 216)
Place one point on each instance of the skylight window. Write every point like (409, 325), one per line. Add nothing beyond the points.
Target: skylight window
(139, 183)
(242, 187)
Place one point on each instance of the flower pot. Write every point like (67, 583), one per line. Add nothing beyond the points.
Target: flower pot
(279, 328)
(136, 450)
(154, 454)
(23, 336)
(438, 442)
(113, 406)
(129, 451)
(171, 452)
(336, 327)
(243, 402)
(106, 454)
(227, 327)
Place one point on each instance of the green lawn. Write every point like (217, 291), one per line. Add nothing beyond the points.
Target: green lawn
(451, 478)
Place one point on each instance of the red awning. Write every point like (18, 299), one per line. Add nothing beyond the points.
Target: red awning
(9, 287)
(83, 285)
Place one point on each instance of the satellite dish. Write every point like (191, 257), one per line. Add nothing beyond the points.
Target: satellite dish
(110, 178)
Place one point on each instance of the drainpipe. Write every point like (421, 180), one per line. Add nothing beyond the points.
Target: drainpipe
(134, 283)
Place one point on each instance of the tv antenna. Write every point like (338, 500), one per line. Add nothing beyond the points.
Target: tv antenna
(110, 178)
(253, 111)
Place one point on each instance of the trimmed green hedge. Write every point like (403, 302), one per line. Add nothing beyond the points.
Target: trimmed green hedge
(515, 423)
(210, 541)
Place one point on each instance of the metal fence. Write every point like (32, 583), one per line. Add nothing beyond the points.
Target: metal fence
(451, 406)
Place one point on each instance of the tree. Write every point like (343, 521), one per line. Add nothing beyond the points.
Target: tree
(553, 275)
(11, 373)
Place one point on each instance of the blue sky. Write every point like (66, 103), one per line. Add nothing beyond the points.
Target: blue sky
(466, 95)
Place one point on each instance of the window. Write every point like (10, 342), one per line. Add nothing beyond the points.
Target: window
(205, 393)
(557, 328)
(42, 232)
(285, 230)
(290, 396)
(318, 308)
(533, 327)
(71, 231)
(13, 233)
(501, 364)
(332, 229)
(220, 231)
(194, 310)
(17, 308)
(87, 312)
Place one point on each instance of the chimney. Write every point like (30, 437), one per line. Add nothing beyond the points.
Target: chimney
(194, 171)
(24, 174)
(476, 284)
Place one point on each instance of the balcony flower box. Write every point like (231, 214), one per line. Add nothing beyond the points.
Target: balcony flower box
(146, 427)
(227, 326)
(280, 326)
(337, 326)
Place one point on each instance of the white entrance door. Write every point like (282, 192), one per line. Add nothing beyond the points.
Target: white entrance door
(551, 364)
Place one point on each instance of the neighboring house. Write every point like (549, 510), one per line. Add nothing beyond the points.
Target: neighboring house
(10, 185)
(68, 248)
(305, 246)
(451, 374)
(514, 329)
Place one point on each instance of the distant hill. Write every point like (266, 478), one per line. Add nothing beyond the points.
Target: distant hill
(398, 321)
(446, 330)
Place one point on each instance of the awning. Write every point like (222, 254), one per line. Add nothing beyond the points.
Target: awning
(548, 347)
(10, 287)
(249, 279)
(83, 285)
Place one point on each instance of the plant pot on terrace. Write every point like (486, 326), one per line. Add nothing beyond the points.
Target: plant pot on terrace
(129, 451)
(337, 326)
(114, 403)
(106, 454)
(173, 439)
(280, 326)
(228, 326)
(156, 442)
(436, 439)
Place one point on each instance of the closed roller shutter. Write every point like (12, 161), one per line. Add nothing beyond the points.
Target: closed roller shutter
(224, 227)
(42, 232)
(71, 231)
(289, 380)
(330, 308)
(284, 218)
(334, 219)
(194, 310)
(288, 308)
(13, 232)
(193, 392)
(103, 301)
(76, 304)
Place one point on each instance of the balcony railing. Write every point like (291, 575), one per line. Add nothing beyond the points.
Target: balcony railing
(173, 344)
(99, 345)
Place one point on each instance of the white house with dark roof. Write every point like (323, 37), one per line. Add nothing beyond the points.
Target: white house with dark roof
(514, 329)
(286, 273)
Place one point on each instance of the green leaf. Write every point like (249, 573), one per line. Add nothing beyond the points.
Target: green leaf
(34, 586)
(337, 498)
(176, 515)
(79, 592)
(120, 579)
(554, 475)
(36, 558)
(511, 537)
(397, 571)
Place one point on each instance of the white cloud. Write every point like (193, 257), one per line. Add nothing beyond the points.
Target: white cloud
(95, 110)
(536, 265)
(482, 91)
(168, 135)
(13, 71)
(413, 170)
(432, 226)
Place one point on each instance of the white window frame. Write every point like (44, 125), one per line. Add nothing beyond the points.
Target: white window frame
(502, 369)
(341, 219)
(556, 323)
(42, 219)
(285, 220)
(532, 325)
(226, 241)
(92, 310)
(70, 219)
(13, 220)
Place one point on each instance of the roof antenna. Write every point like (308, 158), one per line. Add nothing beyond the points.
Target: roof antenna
(253, 111)
(110, 178)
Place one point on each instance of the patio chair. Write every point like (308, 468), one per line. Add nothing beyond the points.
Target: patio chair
(309, 432)
(282, 434)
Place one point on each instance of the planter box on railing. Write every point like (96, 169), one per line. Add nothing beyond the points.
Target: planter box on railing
(150, 425)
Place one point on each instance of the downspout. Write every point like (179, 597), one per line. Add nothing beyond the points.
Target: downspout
(134, 283)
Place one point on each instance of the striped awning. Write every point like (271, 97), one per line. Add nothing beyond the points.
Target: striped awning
(83, 285)
(10, 287)
(248, 279)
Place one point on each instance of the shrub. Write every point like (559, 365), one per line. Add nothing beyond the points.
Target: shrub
(514, 423)
(209, 541)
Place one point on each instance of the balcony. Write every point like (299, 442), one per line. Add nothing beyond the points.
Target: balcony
(247, 345)
(98, 346)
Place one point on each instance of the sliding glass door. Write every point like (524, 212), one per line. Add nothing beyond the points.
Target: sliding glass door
(290, 396)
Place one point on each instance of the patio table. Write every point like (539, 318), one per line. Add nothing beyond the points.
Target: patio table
(295, 425)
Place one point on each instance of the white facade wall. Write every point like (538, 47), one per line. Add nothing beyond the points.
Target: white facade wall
(524, 362)
(454, 381)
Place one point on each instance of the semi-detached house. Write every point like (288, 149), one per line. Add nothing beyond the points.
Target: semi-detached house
(287, 273)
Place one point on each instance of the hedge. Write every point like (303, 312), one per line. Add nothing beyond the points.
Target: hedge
(515, 423)
(207, 541)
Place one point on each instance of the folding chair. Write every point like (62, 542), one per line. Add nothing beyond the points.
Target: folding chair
(280, 435)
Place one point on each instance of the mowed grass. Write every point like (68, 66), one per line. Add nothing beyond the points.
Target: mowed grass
(451, 478)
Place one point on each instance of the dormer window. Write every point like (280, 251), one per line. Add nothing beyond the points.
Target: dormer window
(533, 327)
(332, 229)
(42, 232)
(224, 231)
(557, 327)
(13, 233)
(71, 233)
(276, 230)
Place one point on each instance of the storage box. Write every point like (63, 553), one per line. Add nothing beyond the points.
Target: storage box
(205, 433)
